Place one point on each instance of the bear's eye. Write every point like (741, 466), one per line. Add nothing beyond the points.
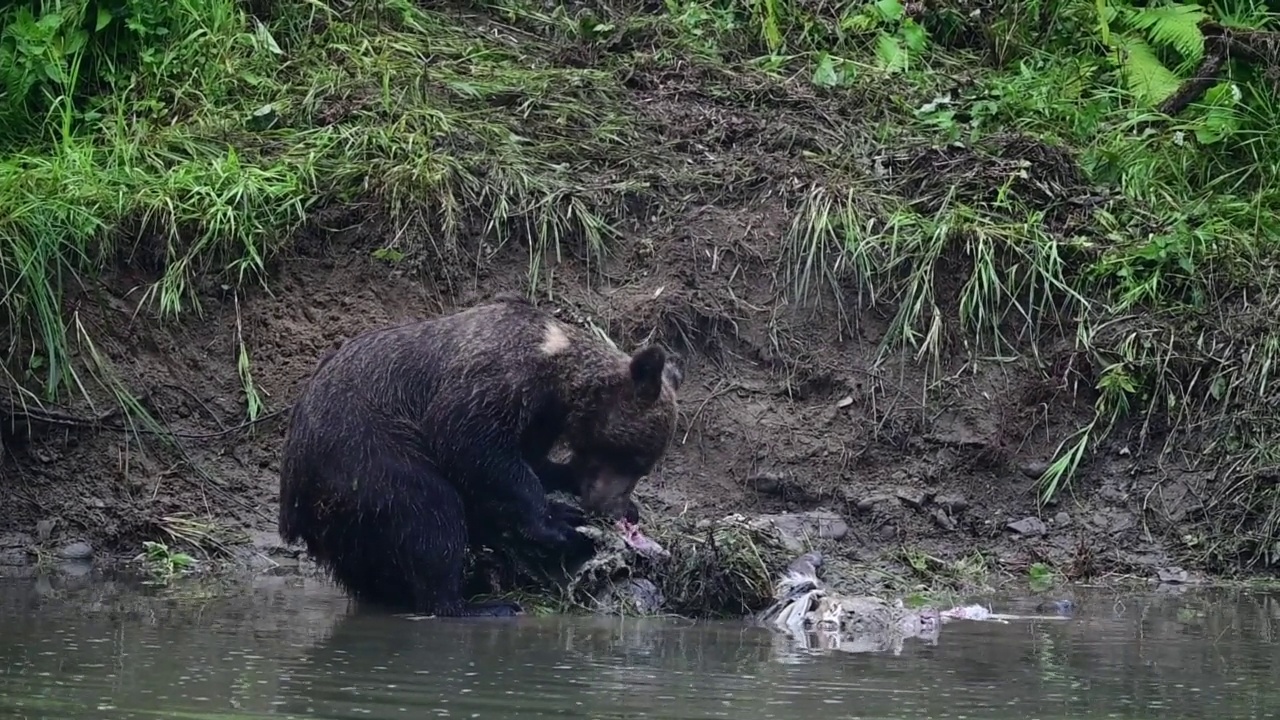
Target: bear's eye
(633, 466)
(625, 462)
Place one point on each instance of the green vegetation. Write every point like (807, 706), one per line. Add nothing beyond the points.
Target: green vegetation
(163, 564)
(928, 159)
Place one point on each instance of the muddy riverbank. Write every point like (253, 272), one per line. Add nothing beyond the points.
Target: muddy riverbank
(786, 409)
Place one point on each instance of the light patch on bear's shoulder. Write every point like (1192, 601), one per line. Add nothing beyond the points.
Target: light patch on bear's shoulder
(554, 339)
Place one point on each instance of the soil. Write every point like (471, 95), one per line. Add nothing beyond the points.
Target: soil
(785, 407)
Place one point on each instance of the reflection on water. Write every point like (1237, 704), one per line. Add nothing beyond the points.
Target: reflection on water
(283, 649)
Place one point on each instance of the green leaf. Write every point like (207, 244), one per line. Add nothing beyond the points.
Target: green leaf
(1148, 79)
(913, 35)
(104, 19)
(890, 9)
(890, 53)
(825, 73)
(1221, 117)
(1172, 25)
(76, 40)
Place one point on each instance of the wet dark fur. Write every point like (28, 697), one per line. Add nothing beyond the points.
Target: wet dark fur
(412, 442)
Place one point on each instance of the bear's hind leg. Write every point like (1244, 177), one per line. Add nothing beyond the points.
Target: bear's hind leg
(433, 542)
(397, 541)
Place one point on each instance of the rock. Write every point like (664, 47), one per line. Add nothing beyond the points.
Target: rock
(1112, 521)
(1061, 520)
(871, 501)
(942, 518)
(75, 568)
(797, 529)
(1175, 500)
(76, 551)
(911, 497)
(640, 595)
(269, 543)
(1028, 526)
(9, 541)
(1033, 469)
(1061, 607)
(1172, 575)
(44, 529)
(952, 503)
(1113, 494)
(13, 557)
(766, 483)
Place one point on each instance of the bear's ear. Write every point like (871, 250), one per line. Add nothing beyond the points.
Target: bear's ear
(646, 373)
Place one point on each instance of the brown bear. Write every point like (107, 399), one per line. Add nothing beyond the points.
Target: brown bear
(412, 443)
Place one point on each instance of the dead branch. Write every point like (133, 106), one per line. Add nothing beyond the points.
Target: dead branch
(1259, 47)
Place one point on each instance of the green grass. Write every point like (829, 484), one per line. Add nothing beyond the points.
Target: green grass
(191, 139)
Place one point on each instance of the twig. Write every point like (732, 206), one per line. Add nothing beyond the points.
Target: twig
(10, 418)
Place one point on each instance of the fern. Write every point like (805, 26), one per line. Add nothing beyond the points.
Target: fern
(890, 53)
(1148, 79)
(1173, 25)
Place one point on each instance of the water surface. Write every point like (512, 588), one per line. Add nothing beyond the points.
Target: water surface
(289, 648)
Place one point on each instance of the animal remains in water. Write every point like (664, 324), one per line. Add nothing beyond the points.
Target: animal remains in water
(412, 443)
(805, 609)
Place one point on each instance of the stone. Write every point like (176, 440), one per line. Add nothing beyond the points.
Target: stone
(1033, 468)
(13, 557)
(1061, 520)
(871, 501)
(1028, 526)
(640, 594)
(75, 568)
(796, 530)
(952, 503)
(76, 551)
(44, 529)
(911, 497)
(268, 543)
(942, 519)
(13, 540)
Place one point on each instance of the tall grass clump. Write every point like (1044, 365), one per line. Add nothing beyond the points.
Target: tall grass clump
(118, 117)
(189, 139)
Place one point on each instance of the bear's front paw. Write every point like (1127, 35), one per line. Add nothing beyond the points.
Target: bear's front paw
(580, 548)
(564, 514)
(552, 533)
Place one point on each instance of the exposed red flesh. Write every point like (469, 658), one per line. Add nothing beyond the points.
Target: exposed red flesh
(643, 544)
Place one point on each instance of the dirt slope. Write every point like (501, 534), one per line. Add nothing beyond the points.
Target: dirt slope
(785, 408)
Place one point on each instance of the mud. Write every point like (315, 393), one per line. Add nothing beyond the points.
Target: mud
(785, 407)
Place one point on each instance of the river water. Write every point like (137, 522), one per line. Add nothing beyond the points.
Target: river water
(282, 648)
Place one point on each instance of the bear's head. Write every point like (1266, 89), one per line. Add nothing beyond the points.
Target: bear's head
(624, 429)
